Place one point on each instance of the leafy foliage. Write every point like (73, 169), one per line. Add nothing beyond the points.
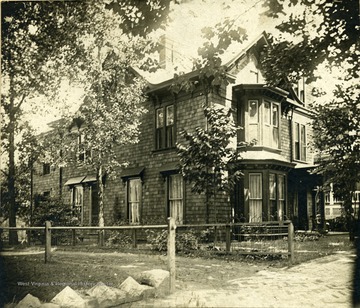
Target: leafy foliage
(55, 211)
(337, 136)
(184, 241)
(91, 43)
(321, 30)
(206, 157)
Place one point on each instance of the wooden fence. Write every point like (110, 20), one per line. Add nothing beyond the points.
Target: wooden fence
(230, 233)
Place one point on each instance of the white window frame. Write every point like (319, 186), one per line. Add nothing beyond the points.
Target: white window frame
(134, 206)
(165, 127)
(77, 201)
(264, 127)
(300, 138)
(255, 202)
(176, 199)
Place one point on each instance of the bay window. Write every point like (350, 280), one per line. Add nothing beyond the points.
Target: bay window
(263, 121)
(255, 197)
(277, 196)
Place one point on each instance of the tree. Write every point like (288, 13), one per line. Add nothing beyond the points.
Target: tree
(337, 137)
(207, 159)
(321, 31)
(40, 47)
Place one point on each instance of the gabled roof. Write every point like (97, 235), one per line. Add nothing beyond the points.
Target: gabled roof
(163, 79)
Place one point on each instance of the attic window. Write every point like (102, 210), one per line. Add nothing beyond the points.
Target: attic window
(46, 168)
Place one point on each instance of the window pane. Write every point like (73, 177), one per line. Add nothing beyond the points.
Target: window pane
(169, 115)
(176, 197)
(134, 198)
(159, 117)
(303, 143)
(255, 186)
(267, 113)
(255, 197)
(275, 137)
(297, 141)
(272, 186)
(275, 115)
(253, 111)
(281, 181)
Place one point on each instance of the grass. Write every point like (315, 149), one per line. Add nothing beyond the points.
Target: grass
(81, 267)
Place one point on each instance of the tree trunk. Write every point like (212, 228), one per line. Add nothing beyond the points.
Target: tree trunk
(99, 178)
(13, 236)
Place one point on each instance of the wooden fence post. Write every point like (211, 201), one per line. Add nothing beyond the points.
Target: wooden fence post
(171, 252)
(134, 238)
(228, 238)
(291, 242)
(73, 237)
(101, 237)
(47, 241)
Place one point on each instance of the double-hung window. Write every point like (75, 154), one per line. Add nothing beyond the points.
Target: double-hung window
(255, 197)
(271, 124)
(175, 197)
(277, 196)
(46, 168)
(77, 197)
(263, 122)
(253, 120)
(164, 126)
(134, 200)
(83, 153)
(299, 142)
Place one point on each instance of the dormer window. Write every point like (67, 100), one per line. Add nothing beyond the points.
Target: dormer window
(83, 154)
(46, 168)
(299, 89)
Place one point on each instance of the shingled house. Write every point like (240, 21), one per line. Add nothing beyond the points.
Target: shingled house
(276, 183)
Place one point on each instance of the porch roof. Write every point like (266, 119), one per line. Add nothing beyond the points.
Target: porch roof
(75, 180)
(132, 172)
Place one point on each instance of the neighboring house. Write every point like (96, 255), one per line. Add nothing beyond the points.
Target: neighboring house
(333, 206)
(276, 183)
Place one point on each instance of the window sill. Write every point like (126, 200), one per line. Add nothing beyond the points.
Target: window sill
(164, 150)
(259, 148)
(300, 161)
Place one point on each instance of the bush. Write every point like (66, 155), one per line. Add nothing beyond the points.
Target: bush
(306, 236)
(184, 241)
(58, 213)
(119, 237)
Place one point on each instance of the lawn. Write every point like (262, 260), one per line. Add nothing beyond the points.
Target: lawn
(81, 267)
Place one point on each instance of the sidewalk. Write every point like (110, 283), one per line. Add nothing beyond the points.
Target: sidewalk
(324, 282)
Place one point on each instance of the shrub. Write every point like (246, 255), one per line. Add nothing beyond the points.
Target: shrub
(184, 241)
(306, 236)
(119, 237)
(58, 213)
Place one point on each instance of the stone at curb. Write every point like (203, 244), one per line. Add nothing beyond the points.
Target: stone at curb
(107, 296)
(29, 301)
(157, 278)
(135, 291)
(68, 298)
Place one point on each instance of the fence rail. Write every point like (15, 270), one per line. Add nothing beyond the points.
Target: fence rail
(242, 238)
(171, 237)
